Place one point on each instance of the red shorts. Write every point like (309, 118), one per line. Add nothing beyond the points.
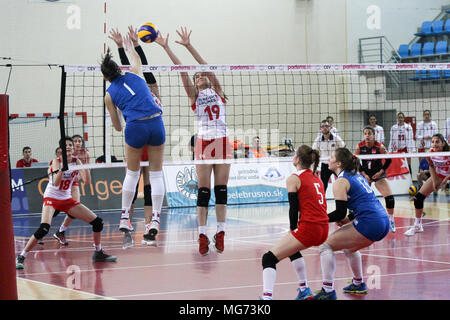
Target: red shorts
(61, 205)
(144, 155)
(219, 148)
(311, 234)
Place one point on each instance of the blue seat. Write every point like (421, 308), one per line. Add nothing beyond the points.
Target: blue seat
(438, 27)
(442, 47)
(420, 75)
(446, 27)
(434, 74)
(446, 74)
(426, 29)
(416, 50)
(403, 50)
(428, 48)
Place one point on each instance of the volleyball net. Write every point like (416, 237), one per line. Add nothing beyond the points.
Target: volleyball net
(282, 105)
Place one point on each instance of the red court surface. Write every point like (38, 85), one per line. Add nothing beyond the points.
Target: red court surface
(396, 268)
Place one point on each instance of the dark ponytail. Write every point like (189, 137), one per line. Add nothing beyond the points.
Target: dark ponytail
(109, 67)
(349, 161)
(308, 157)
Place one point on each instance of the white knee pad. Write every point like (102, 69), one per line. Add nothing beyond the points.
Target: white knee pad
(131, 180)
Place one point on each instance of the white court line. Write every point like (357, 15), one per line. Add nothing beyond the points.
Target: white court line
(230, 261)
(67, 289)
(260, 285)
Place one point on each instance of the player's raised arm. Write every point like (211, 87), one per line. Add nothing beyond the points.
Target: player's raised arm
(186, 42)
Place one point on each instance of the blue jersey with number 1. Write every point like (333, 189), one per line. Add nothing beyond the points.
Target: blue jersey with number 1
(360, 198)
(130, 93)
(371, 219)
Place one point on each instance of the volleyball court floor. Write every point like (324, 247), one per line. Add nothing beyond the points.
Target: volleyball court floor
(398, 267)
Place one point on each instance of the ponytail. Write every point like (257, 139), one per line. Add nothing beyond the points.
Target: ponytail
(109, 67)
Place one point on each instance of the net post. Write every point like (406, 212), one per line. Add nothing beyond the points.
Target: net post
(61, 117)
(8, 282)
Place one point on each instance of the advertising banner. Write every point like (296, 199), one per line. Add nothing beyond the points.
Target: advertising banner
(254, 183)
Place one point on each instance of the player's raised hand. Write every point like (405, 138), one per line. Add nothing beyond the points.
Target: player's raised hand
(184, 36)
(132, 33)
(116, 37)
(163, 42)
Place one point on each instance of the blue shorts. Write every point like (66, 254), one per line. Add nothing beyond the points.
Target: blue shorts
(373, 228)
(140, 133)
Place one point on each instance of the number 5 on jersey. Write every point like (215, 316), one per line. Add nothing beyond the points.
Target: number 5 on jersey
(317, 186)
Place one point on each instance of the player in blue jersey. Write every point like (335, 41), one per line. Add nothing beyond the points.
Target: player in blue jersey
(130, 96)
(370, 223)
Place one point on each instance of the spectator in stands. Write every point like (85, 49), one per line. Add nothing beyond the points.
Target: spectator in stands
(379, 131)
(425, 130)
(26, 161)
(333, 130)
(447, 130)
(58, 152)
(424, 171)
(256, 151)
(80, 150)
(402, 137)
(326, 143)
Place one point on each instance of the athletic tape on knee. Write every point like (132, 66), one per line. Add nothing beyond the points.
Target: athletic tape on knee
(269, 260)
(221, 194)
(147, 195)
(390, 202)
(42, 231)
(418, 200)
(97, 224)
(204, 194)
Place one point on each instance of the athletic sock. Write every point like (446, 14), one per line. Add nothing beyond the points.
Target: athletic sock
(300, 270)
(328, 266)
(202, 230)
(128, 191)
(62, 228)
(220, 226)
(269, 277)
(355, 263)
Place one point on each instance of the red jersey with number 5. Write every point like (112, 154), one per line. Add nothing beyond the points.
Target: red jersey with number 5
(63, 190)
(210, 111)
(311, 197)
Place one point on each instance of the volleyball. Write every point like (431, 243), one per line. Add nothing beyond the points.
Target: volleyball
(148, 32)
(412, 190)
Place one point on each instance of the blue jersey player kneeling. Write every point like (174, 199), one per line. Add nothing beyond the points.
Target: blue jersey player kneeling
(370, 223)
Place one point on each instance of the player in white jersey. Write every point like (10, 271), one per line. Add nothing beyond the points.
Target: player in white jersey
(379, 131)
(425, 130)
(58, 196)
(402, 137)
(440, 174)
(208, 102)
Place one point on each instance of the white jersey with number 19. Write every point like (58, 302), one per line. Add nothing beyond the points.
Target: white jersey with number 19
(210, 111)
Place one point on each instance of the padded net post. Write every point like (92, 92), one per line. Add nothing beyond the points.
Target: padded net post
(8, 284)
